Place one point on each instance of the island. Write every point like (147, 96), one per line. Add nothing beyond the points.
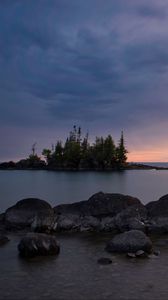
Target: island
(77, 154)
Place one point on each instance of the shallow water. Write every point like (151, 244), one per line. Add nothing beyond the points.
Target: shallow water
(75, 273)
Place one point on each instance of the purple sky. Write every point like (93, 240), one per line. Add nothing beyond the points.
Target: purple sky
(102, 65)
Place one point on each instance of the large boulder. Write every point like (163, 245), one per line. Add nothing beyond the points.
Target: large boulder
(35, 244)
(158, 215)
(30, 212)
(130, 241)
(99, 205)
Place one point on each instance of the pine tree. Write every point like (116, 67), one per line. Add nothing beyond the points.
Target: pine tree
(109, 152)
(121, 152)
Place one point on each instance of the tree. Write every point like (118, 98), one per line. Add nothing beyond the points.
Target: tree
(121, 152)
(47, 154)
(109, 152)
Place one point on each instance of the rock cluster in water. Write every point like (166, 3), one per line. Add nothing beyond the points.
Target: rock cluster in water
(106, 212)
(101, 212)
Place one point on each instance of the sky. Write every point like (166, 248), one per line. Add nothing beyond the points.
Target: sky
(99, 64)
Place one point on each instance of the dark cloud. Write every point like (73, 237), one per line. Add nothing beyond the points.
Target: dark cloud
(88, 62)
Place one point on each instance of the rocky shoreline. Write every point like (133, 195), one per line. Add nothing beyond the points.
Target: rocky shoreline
(129, 221)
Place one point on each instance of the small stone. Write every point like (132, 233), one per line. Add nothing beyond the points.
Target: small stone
(140, 253)
(152, 256)
(131, 255)
(104, 261)
(156, 252)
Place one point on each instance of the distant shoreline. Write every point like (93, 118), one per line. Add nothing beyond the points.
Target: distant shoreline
(128, 166)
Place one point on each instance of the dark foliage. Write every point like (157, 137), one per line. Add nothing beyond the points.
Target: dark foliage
(77, 153)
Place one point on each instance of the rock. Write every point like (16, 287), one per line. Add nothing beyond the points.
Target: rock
(2, 217)
(158, 208)
(131, 255)
(30, 212)
(99, 205)
(77, 223)
(102, 212)
(89, 223)
(158, 225)
(35, 244)
(132, 217)
(158, 215)
(67, 222)
(130, 241)
(141, 253)
(3, 240)
(156, 252)
(152, 256)
(107, 224)
(104, 261)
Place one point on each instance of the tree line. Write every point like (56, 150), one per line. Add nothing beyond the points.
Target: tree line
(77, 153)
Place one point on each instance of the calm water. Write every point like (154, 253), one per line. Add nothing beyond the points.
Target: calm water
(64, 187)
(75, 274)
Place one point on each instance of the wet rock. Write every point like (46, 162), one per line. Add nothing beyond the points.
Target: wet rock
(3, 240)
(104, 261)
(30, 212)
(130, 241)
(131, 255)
(35, 244)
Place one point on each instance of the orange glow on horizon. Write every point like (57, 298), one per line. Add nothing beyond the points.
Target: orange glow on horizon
(148, 156)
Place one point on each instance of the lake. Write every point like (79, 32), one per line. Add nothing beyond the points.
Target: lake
(67, 187)
(75, 273)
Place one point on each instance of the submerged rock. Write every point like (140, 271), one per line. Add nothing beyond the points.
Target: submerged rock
(130, 241)
(30, 212)
(34, 244)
